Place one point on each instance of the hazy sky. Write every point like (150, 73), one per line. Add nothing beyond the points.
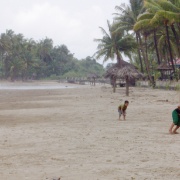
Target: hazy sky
(74, 23)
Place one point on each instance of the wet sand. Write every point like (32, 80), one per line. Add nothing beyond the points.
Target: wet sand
(75, 134)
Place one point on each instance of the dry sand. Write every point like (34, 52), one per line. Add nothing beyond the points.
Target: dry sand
(75, 134)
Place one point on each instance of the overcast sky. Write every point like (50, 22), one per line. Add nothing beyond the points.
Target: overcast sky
(74, 23)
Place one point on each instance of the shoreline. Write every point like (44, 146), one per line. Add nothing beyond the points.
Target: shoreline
(36, 85)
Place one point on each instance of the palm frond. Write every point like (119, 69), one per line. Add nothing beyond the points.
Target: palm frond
(156, 20)
(170, 16)
(143, 24)
(152, 6)
(104, 32)
(146, 15)
(168, 6)
(121, 8)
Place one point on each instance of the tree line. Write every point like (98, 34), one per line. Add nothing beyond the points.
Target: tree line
(147, 31)
(22, 58)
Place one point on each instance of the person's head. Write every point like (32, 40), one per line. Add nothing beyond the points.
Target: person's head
(126, 103)
(179, 106)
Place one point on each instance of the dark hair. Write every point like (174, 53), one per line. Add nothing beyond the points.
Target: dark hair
(126, 102)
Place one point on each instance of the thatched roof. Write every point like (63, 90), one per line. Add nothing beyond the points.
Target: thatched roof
(115, 69)
(112, 71)
(129, 71)
(168, 67)
(164, 67)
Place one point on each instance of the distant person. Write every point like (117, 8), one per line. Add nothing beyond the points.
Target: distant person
(176, 120)
(122, 110)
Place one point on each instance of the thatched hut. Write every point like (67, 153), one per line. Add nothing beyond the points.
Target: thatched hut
(112, 73)
(164, 67)
(129, 72)
(165, 70)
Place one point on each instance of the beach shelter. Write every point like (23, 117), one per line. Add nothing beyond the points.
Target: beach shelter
(129, 72)
(112, 74)
(113, 71)
(165, 69)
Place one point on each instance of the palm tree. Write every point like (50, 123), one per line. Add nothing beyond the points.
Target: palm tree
(45, 47)
(159, 14)
(114, 44)
(126, 17)
(165, 13)
(143, 25)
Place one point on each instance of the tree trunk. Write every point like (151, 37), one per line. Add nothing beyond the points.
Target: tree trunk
(155, 44)
(157, 51)
(127, 86)
(94, 81)
(114, 84)
(119, 60)
(178, 26)
(152, 77)
(176, 38)
(139, 53)
(169, 46)
(145, 59)
(166, 54)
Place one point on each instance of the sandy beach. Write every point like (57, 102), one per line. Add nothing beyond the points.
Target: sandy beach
(75, 134)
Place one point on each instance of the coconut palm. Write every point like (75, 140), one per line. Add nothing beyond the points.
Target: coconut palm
(143, 25)
(126, 17)
(11, 45)
(165, 13)
(113, 44)
(45, 47)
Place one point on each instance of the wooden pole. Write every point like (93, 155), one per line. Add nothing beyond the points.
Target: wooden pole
(114, 84)
(127, 86)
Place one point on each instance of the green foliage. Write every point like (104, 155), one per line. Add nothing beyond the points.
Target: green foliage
(114, 43)
(159, 26)
(84, 67)
(25, 58)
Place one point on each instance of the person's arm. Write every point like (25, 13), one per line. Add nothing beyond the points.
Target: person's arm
(123, 109)
(178, 112)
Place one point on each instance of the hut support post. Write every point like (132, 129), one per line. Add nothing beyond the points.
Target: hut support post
(114, 84)
(127, 86)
